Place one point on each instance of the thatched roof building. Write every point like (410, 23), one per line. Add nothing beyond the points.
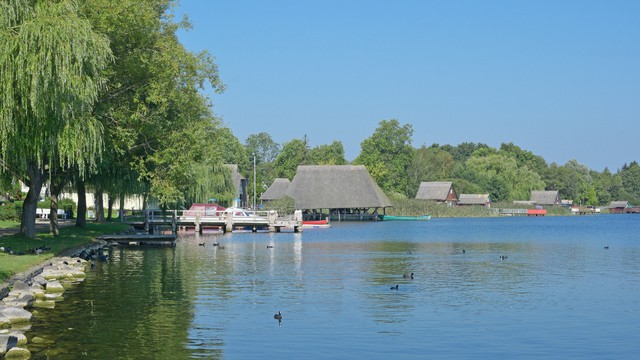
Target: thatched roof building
(545, 197)
(277, 190)
(335, 187)
(440, 191)
(619, 205)
(474, 199)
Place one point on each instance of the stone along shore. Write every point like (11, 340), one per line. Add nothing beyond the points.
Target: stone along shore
(35, 292)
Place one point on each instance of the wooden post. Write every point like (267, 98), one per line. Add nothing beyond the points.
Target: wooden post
(198, 228)
(174, 225)
(147, 228)
(229, 222)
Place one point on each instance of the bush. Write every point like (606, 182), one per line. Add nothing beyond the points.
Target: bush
(11, 211)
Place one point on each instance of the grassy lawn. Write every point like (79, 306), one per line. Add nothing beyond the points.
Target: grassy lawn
(9, 224)
(70, 237)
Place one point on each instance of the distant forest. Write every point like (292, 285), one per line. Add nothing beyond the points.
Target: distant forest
(507, 174)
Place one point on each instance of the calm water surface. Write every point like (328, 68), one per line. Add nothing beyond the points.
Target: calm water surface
(559, 294)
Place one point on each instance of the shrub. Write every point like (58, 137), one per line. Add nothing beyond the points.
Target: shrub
(11, 211)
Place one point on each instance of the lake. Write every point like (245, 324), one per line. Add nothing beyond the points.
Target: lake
(559, 293)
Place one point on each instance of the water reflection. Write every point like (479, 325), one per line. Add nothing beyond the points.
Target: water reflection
(333, 291)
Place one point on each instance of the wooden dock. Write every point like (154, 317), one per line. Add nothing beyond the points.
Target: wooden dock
(140, 239)
(521, 212)
(226, 221)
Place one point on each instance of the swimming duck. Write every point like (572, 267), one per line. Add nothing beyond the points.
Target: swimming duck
(502, 257)
(395, 287)
(278, 316)
(269, 246)
(407, 275)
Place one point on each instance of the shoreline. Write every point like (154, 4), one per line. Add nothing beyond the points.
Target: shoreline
(28, 275)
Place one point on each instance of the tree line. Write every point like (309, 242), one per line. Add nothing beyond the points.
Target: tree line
(100, 96)
(508, 173)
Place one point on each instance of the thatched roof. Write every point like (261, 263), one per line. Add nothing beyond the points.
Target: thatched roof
(619, 204)
(434, 190)
(277, 190)
(545, 197)
(473, 199)
(335, 187)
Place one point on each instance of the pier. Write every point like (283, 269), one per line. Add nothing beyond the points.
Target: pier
(521, 212)
(226, 221)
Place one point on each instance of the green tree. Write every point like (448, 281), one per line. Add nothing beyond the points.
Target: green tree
(293, 154)
(388, 154)
(332, 154)
(462, 152)
(51, 65)
(500, 176)
(430, 164)
(630, 176)
(262, 145)
(158, 124)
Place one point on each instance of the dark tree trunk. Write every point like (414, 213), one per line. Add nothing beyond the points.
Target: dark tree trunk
(121, 207)
(57, 184)
(81, 216)
(54, 227)
(28, 220)
(110, 207)
(99, 206)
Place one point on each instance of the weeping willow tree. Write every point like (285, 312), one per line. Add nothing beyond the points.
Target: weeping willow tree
(50, 66)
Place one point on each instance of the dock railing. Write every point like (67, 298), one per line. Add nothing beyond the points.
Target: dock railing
(226, 219)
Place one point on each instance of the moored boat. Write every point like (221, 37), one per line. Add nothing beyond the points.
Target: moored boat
(316, 224)
(406, 218)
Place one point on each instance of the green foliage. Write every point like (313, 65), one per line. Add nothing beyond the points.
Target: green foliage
(630, 176)
(51, 65)
(388, 155)
(70, 237)
(332, 154)
(431, 164)
(286, 205)
(262, 145)
(159, 129)
(11, 211)
(293, 153)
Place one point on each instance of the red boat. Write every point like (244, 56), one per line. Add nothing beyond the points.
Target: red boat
(316, 224)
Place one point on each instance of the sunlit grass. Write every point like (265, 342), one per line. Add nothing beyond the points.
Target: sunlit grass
(70, 237)
(414, 207)
(9, 224)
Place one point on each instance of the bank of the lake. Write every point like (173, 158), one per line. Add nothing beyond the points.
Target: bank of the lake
(70, 238)
(566, 287)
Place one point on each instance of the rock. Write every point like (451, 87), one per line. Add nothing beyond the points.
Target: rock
(54, 297)
(20, 286)
(23, 301)
(4, 320)
(44, 304)
(16, 315)
(40, 280)
(17, 353)
(54, 287)
(7, 342)
(39, 340)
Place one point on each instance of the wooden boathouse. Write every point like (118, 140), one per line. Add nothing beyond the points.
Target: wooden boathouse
(438, 191)
(337, 192)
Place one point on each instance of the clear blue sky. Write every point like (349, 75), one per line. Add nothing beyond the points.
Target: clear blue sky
(558, 78)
